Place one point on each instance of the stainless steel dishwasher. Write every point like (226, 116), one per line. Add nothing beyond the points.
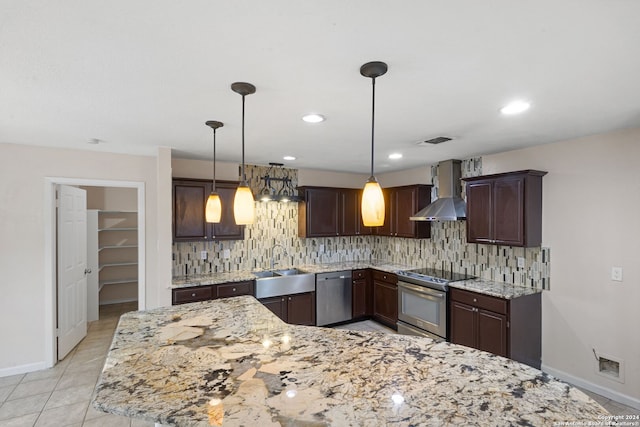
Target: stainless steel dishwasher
(333, 297)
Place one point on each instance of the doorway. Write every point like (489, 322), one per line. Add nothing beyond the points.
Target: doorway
(135, 198)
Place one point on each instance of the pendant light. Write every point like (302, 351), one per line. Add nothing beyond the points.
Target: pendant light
(243, 203)
(213, 209)
(372, 197)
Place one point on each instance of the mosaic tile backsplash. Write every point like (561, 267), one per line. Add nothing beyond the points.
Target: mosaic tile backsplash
(274, 237)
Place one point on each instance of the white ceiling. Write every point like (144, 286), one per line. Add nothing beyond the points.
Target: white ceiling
(141, 74)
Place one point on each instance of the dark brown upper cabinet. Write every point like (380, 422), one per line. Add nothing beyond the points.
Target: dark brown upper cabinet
(400, 204)
(189, 200)
(505, 209)
(330, 212)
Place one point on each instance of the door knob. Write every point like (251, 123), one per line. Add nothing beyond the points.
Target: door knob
(87, 271)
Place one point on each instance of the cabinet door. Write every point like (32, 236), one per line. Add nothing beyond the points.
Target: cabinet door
(508, 214)
(227, 229)
(388, 228)
(385, 303)
(463, 328)
(189, 199)
(479, 212)
(359, 301)
(322, 215)
(405, 205)
(492, 332)
(277, 305)
(301, 309)
(350, 213)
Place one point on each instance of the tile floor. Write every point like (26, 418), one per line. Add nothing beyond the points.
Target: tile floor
(61, 396)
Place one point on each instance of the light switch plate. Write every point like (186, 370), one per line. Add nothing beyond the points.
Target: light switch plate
(226, 254)
(616, 274)
(521, 262)
(203, 254)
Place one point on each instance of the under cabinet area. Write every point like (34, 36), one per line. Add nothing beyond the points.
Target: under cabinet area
(505, 327)
(297, 309)
(385, 298)
(505, 209)
(189, 201)
(210, 292)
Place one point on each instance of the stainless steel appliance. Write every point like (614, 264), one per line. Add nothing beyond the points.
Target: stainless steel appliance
(422, 301)
(333, 297)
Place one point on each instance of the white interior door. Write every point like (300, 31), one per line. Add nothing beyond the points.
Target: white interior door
(72, 268)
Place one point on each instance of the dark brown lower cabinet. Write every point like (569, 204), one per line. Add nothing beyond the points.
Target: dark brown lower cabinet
(210, 292)
(297, 309)
(506, 327)
(362, 294)
(385, 298)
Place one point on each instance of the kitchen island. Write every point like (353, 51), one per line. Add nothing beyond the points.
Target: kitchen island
(232, 362)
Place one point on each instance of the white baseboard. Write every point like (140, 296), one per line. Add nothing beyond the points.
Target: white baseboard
(23, 369)
(118, 301)
(595, 388)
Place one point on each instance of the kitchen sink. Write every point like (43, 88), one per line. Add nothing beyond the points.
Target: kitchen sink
(273, 283)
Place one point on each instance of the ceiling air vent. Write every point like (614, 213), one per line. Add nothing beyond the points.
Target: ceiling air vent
(435, 141)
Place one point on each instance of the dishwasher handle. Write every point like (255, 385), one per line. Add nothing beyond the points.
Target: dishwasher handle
(336, 277)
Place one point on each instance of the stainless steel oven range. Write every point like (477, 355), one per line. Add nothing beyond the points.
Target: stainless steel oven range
(423, 303)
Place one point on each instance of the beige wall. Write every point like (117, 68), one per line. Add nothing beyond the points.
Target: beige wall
(591, 200)
(420, 175)
(22, 235)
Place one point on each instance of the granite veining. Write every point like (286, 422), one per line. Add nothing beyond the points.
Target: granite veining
(232, 362)
(495, 289)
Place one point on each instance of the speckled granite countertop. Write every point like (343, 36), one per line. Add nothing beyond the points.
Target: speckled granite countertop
(239, 276)
(232, 362)
(495, 289)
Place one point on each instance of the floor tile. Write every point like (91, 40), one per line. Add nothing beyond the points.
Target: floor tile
(79, 378)
(5, 392)
(33, 388)
(142, 423)
(55, 372)
(19, 407)
(13, 379)
(70, 395)
(23, 421)
(108, 420)
(93, 413)
(619, 409)
(63, 415)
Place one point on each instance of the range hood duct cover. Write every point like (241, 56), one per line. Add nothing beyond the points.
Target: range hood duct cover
(449, 206)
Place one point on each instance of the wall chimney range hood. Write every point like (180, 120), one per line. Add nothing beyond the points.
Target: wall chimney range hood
(449, 206)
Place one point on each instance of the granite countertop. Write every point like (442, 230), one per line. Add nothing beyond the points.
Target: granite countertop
(241, 275)
(232, 362)
(495, 289)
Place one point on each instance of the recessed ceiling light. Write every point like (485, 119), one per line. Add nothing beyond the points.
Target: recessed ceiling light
(515, 107)
(288, 158)
(313, 118)
(395, 156)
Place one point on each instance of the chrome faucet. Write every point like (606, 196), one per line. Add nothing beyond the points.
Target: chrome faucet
(273, 249)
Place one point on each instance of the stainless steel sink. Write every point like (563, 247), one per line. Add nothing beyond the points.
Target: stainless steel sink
(273, 283)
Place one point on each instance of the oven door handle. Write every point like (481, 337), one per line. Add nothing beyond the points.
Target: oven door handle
(421, 289)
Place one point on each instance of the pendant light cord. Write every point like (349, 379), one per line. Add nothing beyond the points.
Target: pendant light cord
(373, 115)
(244, 177)
(214, 160)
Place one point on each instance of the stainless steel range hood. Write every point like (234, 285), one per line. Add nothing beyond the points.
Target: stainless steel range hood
(449, 206)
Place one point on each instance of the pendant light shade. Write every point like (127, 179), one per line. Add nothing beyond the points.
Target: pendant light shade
(213, 208)
(372, 198)
(243, 203)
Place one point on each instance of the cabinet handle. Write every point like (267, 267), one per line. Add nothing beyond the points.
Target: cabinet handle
(204, 237)
(193, 294)
(234, 289)
(475, 300)
(289, 298)
(282, 299)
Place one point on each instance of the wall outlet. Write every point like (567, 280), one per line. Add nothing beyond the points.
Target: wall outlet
(616, 274)
(226, 254)
(521, 262)
(203, 254)
(321, 249)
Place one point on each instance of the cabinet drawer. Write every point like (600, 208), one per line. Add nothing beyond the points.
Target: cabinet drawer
(234, 289)
(359, 274)
(385, 277)
(486, 302)
(201, 293)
